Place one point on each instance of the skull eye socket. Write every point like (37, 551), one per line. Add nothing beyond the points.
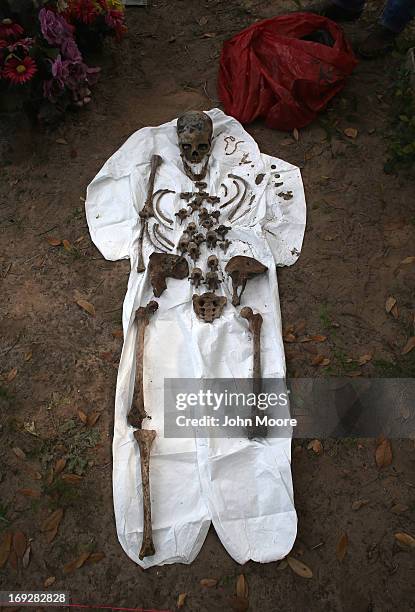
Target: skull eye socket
(186, 147)
(202, 147)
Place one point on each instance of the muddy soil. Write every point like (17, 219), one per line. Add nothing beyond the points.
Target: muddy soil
(59, 363)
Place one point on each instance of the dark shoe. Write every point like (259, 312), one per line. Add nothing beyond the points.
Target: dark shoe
(379, 42)
(332, 11)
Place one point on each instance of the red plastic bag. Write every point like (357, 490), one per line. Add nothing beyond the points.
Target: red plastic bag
(268, 71)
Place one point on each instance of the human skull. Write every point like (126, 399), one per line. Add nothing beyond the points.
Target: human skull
(194, 132)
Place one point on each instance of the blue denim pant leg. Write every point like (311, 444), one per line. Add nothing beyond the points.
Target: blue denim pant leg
(397, 14)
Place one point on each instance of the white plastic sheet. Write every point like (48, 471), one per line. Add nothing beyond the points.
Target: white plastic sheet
(243, 487)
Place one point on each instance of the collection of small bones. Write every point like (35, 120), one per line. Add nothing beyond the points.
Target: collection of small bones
(200, 221)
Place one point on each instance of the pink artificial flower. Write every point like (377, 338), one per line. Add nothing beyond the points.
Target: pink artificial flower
(9, 29)
(19, 71)
(55, 29)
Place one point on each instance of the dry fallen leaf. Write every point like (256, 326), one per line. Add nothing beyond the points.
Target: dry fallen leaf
(399, 508)
(10, 375)
(30, 492)
(408, 260)
(289, 337)
(5, 547)
(66, 245)
(364, 359)
(76, 563)
(394, 311)
(316, 446)
(209, 35)
(83, 417)
(19, 453)
(351, 132)
(383, 453)
(409, 346)
(95, 558)
(208, 582)
(299, 568)
(296, 134)
(320, 360)
(354, 373)
(19, 544)
(87, 306)
(242, 587)
(49, 581)
(390, 303)
(117, 333)
(359, 503)
(26, 557)
(318, 338)
(60, 466)
(71, 478)
(51, 524)
(54, 241)
(28, 356)
(93, 418)
(181, 600)
(341, 548)
(49, 476)
(405, 539)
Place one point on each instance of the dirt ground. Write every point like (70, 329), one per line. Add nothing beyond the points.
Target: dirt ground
(59, 363)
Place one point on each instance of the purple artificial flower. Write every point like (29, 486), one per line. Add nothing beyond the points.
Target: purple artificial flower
(60, 71)
(55, 29)
(24, 44)
(70, 50)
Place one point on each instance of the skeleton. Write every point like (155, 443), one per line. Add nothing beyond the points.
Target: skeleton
(183, 242)
(211, 239)
(198, 238)
(241, 269)
(194, 132)
(193, 250)
(166, 265)
(147, 210)
(166, 221)
(161, 238)
(196, 277)
(213, 263)
(242, 198)
(143, 437)
(207, 224)
(215, 214)
(191, 228)
(212, 281)
(182, 214)
(255, 324)
(203, 214)
(208, 306)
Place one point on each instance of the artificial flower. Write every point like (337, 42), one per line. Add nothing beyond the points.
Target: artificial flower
(55, 29)
(19, 71)
(115, 19)
(9, 29)
(24, 44)
(84, 10)
(70, 50)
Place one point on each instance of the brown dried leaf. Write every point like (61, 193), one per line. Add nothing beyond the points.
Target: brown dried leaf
(71, 478)
(364, 359)
(320, 360)
(354, 373)
(181, 600)
(66, 245)
(316, 446)
(93, 418)
(318, 338)
(351, 132)
(54, 241)
(76, 563)
(341, 548)
(390, 303)
(304, 339)
(60, 465)
(289, 337)
(30, 492)
(51, 525)
(394, 311)
(87, 306)
(5, 547)
(28, 356)
(359, 503)
(208, 582)
(242, 590)
(383, 453)
(49, 476)
(49, 581)
(26, 557)
(296, 134)
(399, 508)
(209, 35)
(118, 333)
(19, 544)
(299, 568)
(409, 346)
(19, 453)
(10, 375)
(83, 417)
(405, 539)
(95, 558)
(408, 260)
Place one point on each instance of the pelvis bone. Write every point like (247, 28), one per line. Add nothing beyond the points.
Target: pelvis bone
(241, 269)
(208, 306)
(164, 265)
